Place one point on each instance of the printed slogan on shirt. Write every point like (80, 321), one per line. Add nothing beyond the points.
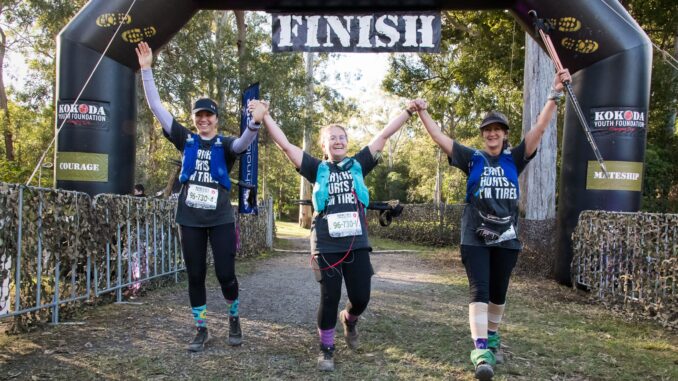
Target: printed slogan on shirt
(495, 185)
(340, 186)
(202, 168)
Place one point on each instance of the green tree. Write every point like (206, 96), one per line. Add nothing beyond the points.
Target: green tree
(480, 68)
(658, 20)
(32, 26)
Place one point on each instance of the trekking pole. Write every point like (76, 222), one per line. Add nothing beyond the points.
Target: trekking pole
(542, 28)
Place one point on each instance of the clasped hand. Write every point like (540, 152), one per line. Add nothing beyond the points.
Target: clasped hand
(417, 105)
(258, 109)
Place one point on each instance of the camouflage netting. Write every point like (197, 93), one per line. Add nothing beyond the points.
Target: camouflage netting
(253, 230)
(629, 261)
(425, 224)
(118, 238)
(67, 245)
(432, 225)
(539, 239)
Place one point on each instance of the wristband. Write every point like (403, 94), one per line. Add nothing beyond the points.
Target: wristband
(555, 95)
(254, 126)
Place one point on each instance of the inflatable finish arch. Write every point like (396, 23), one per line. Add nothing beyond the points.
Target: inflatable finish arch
(607, 52)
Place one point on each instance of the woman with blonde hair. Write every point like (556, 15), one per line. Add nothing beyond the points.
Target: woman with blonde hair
(339, 242)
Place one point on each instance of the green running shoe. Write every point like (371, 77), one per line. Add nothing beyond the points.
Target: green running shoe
(483, 360)
(494, 344)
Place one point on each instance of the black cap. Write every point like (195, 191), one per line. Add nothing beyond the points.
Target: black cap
(205, 104)
(494, 117)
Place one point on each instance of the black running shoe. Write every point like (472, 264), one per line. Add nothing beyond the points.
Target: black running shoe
(326, 358)
(198, 343)
(234, 332)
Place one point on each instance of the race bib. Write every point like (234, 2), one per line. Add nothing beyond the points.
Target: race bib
(344, 224)
(201, 197)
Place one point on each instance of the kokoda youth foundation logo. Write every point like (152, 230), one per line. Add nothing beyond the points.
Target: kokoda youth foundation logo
(626, 120)
(84, 114)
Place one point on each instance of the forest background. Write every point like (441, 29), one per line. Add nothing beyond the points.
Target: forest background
(218, 53)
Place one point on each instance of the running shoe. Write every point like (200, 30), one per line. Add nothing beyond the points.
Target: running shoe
(483, 360)
(494, 344)
(350, 330)
(234, 332)
(198, 343)
(326, 358)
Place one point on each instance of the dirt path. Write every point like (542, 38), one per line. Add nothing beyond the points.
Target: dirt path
(279, 298)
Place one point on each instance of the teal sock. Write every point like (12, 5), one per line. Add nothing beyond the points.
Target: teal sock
(200, 315)
(232, 306)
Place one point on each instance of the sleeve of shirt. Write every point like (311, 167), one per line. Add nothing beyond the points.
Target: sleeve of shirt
(518, 154)
(309, 167)
(177, 135)
(461, 156)
(153, 99)
(241, 144)
(230, 155)
(366, 160)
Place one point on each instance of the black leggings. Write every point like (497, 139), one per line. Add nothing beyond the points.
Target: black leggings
(488, 270)
(194, 247)
(357, 271)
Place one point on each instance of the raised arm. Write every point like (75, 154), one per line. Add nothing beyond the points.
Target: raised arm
(246, 138)
(145, 55)
(260, 113)
(379, 141)
(533, 137)
(444, 141)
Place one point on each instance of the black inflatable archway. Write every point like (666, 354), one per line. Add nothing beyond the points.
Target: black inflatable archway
(607, 52)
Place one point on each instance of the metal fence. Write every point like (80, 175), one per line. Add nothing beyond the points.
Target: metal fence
(59, 247)
(629, 260)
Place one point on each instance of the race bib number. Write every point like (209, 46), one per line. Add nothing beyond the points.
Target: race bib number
(201, 197)
(344, 224)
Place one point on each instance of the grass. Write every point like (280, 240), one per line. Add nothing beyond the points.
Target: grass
(290, 230)
(286, 230)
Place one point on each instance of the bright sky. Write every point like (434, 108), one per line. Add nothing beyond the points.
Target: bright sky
(369, 67)
(15, 70)
(352, 74)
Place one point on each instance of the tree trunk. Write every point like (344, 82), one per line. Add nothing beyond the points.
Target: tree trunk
(152, 149)
(438, 189)
(264, 171)
(221, 20)
(4, 106)
(174, 175)
(671, 117)
(538, 181)
(242, 44)
(306, 211)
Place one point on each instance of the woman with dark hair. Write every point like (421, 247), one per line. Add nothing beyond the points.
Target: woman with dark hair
(489, 226)
(204, 209)
(339, 242)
